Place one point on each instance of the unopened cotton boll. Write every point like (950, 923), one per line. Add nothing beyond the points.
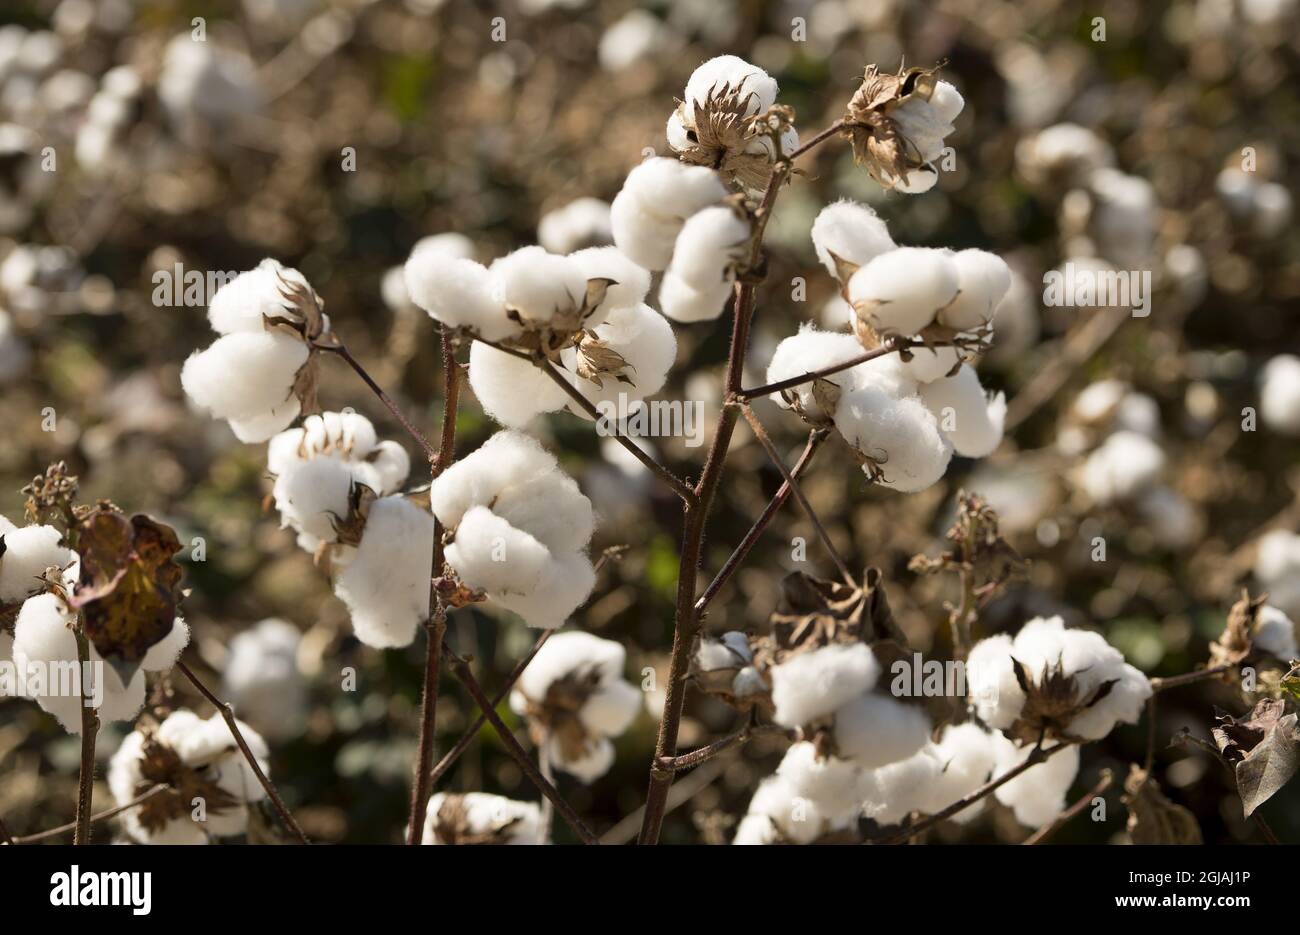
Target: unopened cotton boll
(247, 376)
(814, 684)
(1123, 465)
(850, 231)
(1279, 397)
(900, 438)
(875, 730)
(1275, 633)
(901, 291)
(983, 279)
(972, 421)
(511, 390)
(583, 222)
(28, 553)
(645, 341)
(1037, 795)
(536, 285)
(385, 585)
(683, 303)
(487, 818)
(457, 292)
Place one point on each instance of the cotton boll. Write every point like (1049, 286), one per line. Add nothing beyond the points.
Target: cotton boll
(900, 438)
(875, 730)
(244, 374)
(778, 814)
(671, 191)
(204, 87)
(836, 787)
(1275, 633)
(972, 422)
(559, 592)
(552, 509)
(312, 496)
(511, 390)
(1279, 398)
(927, 364)
(243, 303)
(993, 692)
(569, 652)
(902, 787)
(755, 829)
(261, 678)
(252, 430)
(595, 761)
(536, 285)
(966, 756)
(583, 222)
(630, 282)
(685, 304)
(850, 231)
(163, 654)
(479, 478)
(386, 584)
(730, 652)
(385, 468)
(812, 685)
(808, 351)
(1122, 466)
(983, 280)
(1037, 795)
(924, 122)
(457, 292)
(645, 340)
(492, 555)
(888, 373)
(28, 553)
(899, 292)
(645, 238)
(1122, 704)
(612, 708)
(1017, 322)
(505, 821)
(711, 242)
(733, 73)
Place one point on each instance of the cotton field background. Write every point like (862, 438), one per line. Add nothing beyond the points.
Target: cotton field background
(892, 408)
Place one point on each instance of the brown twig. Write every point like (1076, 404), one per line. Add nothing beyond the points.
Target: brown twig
(94, 819)
(1045, 832)
(228, 714)
(89, 731)
(1188, 678)
(341, 350)
(889, 347)
(462, 671)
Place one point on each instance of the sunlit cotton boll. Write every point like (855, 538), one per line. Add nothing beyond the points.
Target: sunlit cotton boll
(850, 231)
(899, 438)
(779, 815)
(806, 352)
(488, 818)
(874, 730)
(683, 303)
(836, 787)
(983, 279)
(1279, 396)
(385, 584)
(1037, 795)
(247, 378)
(1275, 633)
(535, 285)
(972, 421)
(1124, 464)
(457, 292)
(245, 302)
(657, 197)
(511, 390)
(710, 244)
(583, 222)
(901, 291)
(730, 71)
(28, 553)
(43, 640)
(813, 684)
(261, 679)
(628, 282)
(645, 340)
(938, 775)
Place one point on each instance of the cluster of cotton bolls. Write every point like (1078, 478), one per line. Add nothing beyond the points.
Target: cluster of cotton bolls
(575, 699)
(584, 311)
(195, 759)
(518, 529)
(1279, 394)
(906, 413)
(1277, 568)
(1119, 429)
(261, 679)
(207, 88)
(248, 375)
(481, 818)
(37, 572)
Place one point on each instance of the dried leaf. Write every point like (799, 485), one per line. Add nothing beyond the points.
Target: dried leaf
(1152, 818)
(1262, 749)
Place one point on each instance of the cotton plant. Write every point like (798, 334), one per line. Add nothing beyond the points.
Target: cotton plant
(480, 818)
(517, 529)
(207, 786)
(576, 700)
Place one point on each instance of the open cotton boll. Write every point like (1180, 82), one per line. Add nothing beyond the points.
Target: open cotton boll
(596, 759)
(889, 374)
(925, 123)
(262, 680)
(559, 592)
(683, 303)
(812, 685)
(647, 239)
(808, 351)
(243, 303)
(1124, 464)
(535, 284)
(612, 708)
(1275, 633)
(912, 182)
(837, 787)
(992, 690)
(875, 730)
(900, 438)
(312, 496)
(1122, 704)
(479, 478)
(972, 421)
(900, 292)
(28, 553)
(927, 364)
(779, 815)
(901, 787)
(1279, 396)
(125, 778)
(551, 507)
(492, 555)
(629, 282)
(386, 584)
(672, 191)
(732, 651)
(574, 651)
(244, 374)
(734, 73)
(457, 292)
(1037, 795)
(850, 231)
(487, 818)
(583, 222)
(711, 242)
(511, 390)
(983, 279)
(645, 341)
(966, 756)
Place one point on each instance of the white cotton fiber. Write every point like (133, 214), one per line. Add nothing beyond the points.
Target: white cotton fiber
(874, 730)
(630, 282)
(966, 756)
(1279, 397)
(457, 292)
(568, 652)
(535, 285)
(263, 681)
(241, 304)
(777, 814)
(710, 244)
(559, 592)
(612, 708)
(583, 222)
(900, 292)
(851, 231)
(28, 553)
(734, 73)
(480, 477)
(1037, 795)
(551, 507)
(494, 816)
(511, 390)
(386, 584)
(244, 374)
(645, 340)
(813, 684)
(972, 421)
(683, 303)
(983, 279)
(670, 190)
(836, 787)
(808, 351)
(492, 555)
(595, 761)
(928, 364)
(900, 436)
(1124, 464)
(312, 496)
(647, 239)
(1275, 633)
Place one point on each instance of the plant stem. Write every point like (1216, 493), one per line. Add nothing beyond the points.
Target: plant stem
(1042, 834)
(228, 714)
(815, 439)
(462, 671)
(1188, 678)
(97, 817)
(889, 347)
(89, 731)
(436, 626)
(341, 350)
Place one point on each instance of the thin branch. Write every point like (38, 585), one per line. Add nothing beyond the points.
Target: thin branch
(1045, 832)
(94, 819)
(679, 486)
(228, 714)
(1036, 756)
(775, 457)
(815, 439)
(436, 625)
(1188, 678)
(89, 731)
(821, 137)
(341, 350)
(704, 754)
(889, 347)
(462, 671)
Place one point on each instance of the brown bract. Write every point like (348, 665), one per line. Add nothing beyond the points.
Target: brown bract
(1051, 703)
(877, 141)
(556, 717)
(304, 318)
(451, 825)
(1152, 818)
(161, 765)
(724, 131)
